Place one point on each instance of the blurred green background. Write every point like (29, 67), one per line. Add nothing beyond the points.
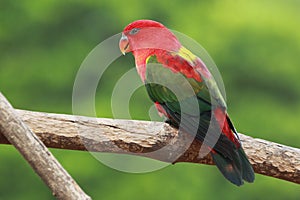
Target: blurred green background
(255, 44)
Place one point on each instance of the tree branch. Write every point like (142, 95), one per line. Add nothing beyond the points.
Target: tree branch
(147, 139)
(36, 154)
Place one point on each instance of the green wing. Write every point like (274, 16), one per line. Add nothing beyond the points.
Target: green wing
(188, 104)
(166, 86)
(186, 101)
(179, 96)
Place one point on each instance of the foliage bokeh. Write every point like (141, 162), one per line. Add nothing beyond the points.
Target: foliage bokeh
(255, 44)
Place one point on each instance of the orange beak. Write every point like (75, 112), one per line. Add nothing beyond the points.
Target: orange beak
(124, 44)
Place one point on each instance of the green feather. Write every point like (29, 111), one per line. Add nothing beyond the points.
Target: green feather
(181, 96)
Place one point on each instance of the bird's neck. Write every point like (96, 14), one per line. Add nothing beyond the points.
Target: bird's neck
(141, 61)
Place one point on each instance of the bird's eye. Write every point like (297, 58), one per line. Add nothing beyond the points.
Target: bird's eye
(134, 31)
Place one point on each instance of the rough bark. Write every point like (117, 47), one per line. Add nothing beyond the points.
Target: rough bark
(152, 139)
(36, 153)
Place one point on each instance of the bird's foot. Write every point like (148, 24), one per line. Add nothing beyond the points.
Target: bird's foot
(171, 123)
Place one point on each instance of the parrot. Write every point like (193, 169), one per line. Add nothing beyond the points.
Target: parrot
(151, 42)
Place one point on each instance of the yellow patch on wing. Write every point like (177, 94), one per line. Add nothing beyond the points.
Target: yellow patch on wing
(151, 59)
(187, 55)
(147, 59)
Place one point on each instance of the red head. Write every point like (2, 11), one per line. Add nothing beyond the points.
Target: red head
(149, 35)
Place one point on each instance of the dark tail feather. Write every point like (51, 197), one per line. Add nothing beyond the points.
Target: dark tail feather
(236, 169)
(230, 170)
(247, 170)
